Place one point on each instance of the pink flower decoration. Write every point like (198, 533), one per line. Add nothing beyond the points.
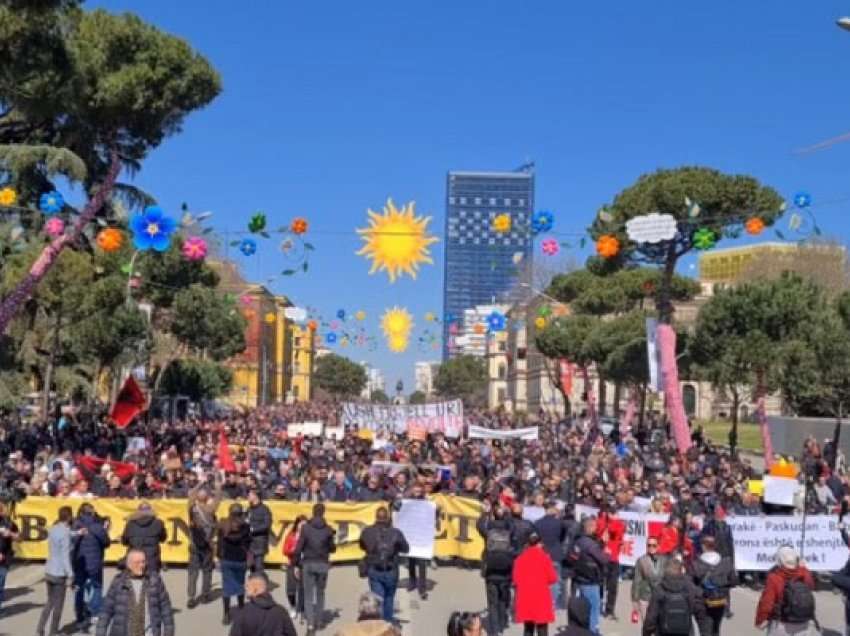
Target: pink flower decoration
(550, 247)
(246, 301)
(54, 226)
(194, 248)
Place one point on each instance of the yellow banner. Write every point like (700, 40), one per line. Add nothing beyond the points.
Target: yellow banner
(456, 535)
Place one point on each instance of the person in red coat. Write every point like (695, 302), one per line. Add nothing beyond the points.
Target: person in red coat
(769, 610)
(611, 530)
(533, 574)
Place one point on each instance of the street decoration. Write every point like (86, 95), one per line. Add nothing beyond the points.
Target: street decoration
(51, 202)
(540, 322)
(312, 325)
(330, 337)
(257, 223)
(8, 197)
(397, 323)
(248, 246)
(270, 318)
(360, 315)
(54, 227)
(194, 248)
(298, 226)
(496, 321)
(502, 223)
(542, 221)
(754, 226)
(651, 228)
(802, 199)
(550, 247)
(397, 241)
(152, 229)
(340, 313)
(608, 246)
(704, 239)
(430, 316)
(110, 239)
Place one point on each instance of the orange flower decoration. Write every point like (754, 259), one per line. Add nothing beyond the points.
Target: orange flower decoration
(479, 329)
(298, 226)
(754, 226)
(110, 239)
(607, 246)
(312, 326)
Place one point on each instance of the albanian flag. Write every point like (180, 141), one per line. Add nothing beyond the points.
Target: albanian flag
(131, 401)
(91, 466)
(225, 459)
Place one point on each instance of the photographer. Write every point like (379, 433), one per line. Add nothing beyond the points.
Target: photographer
(8, 535)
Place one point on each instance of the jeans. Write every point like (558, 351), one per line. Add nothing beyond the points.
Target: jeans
(417, 574)
(710, 624)
(91, 586)
(384, 583)
(591, 594)
(557, 587)
(315, 582)
(4, 570)
(498, 605)
(54, 605)
(200, 562)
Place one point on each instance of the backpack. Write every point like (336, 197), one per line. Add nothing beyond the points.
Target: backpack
(384, 556)
(712, 593)
(798, 603)
(675, 615)
(499, 550)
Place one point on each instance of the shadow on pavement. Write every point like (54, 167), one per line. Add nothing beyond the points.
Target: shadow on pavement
(19, 608)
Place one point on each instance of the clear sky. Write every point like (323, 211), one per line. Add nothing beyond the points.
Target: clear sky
(328, 108)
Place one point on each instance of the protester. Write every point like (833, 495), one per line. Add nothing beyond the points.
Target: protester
(589, 565)
(533, 576)
(313, 551)
(464, 624)
(57, 571)
(145, 532)
(578, 617)
(202, 528)
(719, 529)
(91, 539)
(260, 521)
(611, 530)
(714, 576)
(841, 579)
(787, 603)
(234, 542)
(497, 567)
(137, 602)
(261, 616)
(383, 545)
(674, 604)
(369, 619)
(553, 531)
(294, 574)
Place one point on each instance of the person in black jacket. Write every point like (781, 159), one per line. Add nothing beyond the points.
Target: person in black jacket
(578, 618)
(313, 551)
(522, 528)
(202, 526)
(675, 601)
(591, 561)
(717, 528)
(553, 532)
(234, 541)
(91, 538)
(713, 576)
(383, 545)
(260, 520)
(145, 532)
(261, 616)
(497, 566)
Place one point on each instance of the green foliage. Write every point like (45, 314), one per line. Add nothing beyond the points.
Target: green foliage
(462, 377)
(165, 274)
(379, 397)
(339, 376)
(417, 397)
(619, 347)
(205, 321)
(568, 337)
(197, 379)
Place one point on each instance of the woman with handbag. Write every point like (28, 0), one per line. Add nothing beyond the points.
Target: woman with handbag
(294, 581)
(234, 539)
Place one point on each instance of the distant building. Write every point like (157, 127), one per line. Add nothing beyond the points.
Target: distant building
(424, 375)
(374, 380)
(471, 334)
(480, 263)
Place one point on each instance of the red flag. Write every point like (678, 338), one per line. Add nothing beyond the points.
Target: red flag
(131, 401)
(566, 373)
(91, 466)
(225, 459)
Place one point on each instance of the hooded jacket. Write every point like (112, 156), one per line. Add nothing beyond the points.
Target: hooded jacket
(234, 540)
(678, 584)
(316, 542)
(720, 569)
(774, 588)
(261, 616)
(578, 613)
(371, 539)
(260, 520)
(145, 532)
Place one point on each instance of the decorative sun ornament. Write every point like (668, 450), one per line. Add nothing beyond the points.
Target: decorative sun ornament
(397, 323)
(802, 199)
(542, 221)
(704, 239)
(298, 226)
(502, 223)
(397, 241)
(550, 247)
(607, 246)
(8, 197)
(54, 227)
(540, 322)
(194, 248)
(360, 315)
(110, 239)
(754, 226)
(51, 202)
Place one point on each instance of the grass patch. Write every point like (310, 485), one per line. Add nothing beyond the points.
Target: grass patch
(749, 436)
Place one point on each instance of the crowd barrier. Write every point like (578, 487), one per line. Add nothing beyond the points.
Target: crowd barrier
(455, 531)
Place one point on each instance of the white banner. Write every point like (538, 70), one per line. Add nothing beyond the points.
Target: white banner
(335, 432)
(533, 513)
(307, 429)
(639, 526)
(528, 434)
(437, 417)
(417, 520)
(653, 354)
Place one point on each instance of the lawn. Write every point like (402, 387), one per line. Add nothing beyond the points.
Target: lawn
(749, 437)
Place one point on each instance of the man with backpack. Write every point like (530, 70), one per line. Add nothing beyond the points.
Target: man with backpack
(674, 605)
(497, 567)
(713, 575)
(383, 544)
(787, 604)
(589, 561)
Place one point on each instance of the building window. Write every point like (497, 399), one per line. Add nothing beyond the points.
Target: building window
(503, 372)
(297, 342)
(502, 396)
(689, 398)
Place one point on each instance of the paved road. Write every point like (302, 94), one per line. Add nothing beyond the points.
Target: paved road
(452, 588)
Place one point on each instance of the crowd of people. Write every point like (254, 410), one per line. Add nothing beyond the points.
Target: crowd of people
(531, 569)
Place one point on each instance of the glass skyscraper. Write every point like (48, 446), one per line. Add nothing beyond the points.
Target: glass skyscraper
(482, 264)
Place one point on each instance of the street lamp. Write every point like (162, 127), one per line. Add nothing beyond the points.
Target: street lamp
(844, 23)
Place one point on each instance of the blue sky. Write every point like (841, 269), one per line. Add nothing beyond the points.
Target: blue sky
(328, 108)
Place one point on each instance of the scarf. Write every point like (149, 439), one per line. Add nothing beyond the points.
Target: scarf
(136, 614)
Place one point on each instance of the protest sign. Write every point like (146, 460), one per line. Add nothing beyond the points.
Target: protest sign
(335, 432)
(436, 417)
(417, 520)
(137, 445)
(780, 490)
(307, 429)
(533, 513)
(639, 526)
(526, 434)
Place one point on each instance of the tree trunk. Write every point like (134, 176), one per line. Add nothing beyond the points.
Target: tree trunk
(603, 394)
(761, 416)
(629, 415)
(733, 432)
(95, 383)
(672, 390)
(51, 364)
(23, 291)
(591, 396)
(618, 390)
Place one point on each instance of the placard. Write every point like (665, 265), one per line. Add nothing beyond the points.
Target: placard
(435, 417)
(780, 490)
(417, 520)
(527, 434)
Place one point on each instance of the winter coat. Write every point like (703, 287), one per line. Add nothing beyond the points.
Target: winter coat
(552, 531)
(316, 542)
(145, 532)
(260, 520)
(647, 577)
(671, 585)
(722, 534)
(88, 550)
(202, 521)
(532, 575)
(592, 560)
(522, 529)
(261, 616)
(115, 614)
(720, 568)
(234, 539)
(491, 570)
(369, 542)
(578, 613)
(774, 588)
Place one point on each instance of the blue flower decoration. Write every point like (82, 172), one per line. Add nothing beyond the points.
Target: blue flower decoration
(330, 338)
(496, 321)
(51, 202)
(542, 221)
(341, 314)
(802, 199)
(152, 229)
(248, 247)
(450, 318)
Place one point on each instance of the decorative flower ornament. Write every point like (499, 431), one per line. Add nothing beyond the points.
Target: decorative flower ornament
(608, 246)
(360, 315)
(248, 247)
(194, 248)
(54, 227)
(502, 223)
(496, 321)
(754, 226)
(479, 329)
(550, 247)
(544, 310)
(540, 322)
(330, 338)
(802, 199)
(312, 325)
(298, 226)
(110, 239)
(542, 221)
(340, 314)
(430, 317)
(704, 239)
(8, 197)
(246, 300)
(257, 223)
(51, 202)
(152, 229)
